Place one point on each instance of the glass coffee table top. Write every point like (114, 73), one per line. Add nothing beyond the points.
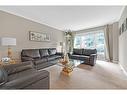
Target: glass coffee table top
(72, 63)
(68, 68)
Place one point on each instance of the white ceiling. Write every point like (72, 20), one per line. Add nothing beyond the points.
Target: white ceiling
(68, 17)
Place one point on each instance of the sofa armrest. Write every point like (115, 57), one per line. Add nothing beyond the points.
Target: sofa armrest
(69, 54)
(93, 58)
(94, 55)
(16, 68)
(26, 59)
(22, 83)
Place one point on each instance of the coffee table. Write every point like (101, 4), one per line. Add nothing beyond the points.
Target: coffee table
(68, 68)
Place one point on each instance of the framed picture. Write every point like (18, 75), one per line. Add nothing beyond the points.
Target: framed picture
(126, 23)
(38, 36)
(120, 31)
(122, 27)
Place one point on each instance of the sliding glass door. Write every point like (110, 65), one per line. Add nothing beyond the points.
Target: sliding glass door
(91, 40)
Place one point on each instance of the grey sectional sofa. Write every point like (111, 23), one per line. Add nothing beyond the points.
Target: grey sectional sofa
(89, 56)
(41, 58)
(23, 76)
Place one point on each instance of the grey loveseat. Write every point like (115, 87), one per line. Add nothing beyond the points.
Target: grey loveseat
(89, 56)
(23, 76)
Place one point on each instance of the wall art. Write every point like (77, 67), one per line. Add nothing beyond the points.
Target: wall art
(38, 36)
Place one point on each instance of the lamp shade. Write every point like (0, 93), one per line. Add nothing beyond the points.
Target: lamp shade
(6, 41)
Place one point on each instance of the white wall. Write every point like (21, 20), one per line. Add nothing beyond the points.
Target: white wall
(123, 50)
(123, 42)
(18, 27)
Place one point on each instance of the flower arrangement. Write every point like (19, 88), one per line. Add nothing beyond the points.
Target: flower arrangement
(65, 60)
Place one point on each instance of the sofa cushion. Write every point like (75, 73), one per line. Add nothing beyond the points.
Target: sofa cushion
(44, 52)
(15, 68)
(52, 51)
(40, 61)
(88, 52)
(26, 59)
(44, 65)
(33, 53)
(80, 57)
(77, 51)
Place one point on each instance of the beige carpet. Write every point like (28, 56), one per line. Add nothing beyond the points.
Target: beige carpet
(103, 75)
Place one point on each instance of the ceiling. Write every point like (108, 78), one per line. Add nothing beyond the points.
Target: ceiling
(68, 17)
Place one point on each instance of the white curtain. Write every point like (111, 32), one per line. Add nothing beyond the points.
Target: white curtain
(107, 43)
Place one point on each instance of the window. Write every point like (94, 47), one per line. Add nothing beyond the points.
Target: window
(90, 40)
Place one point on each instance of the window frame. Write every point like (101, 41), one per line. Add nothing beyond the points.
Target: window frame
(95, 39)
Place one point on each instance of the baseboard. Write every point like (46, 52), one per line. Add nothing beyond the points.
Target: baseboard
(122, 68)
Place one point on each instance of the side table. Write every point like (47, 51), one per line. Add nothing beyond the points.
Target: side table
(12, 61)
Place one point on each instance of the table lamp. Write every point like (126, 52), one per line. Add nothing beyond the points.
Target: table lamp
(7, 41)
